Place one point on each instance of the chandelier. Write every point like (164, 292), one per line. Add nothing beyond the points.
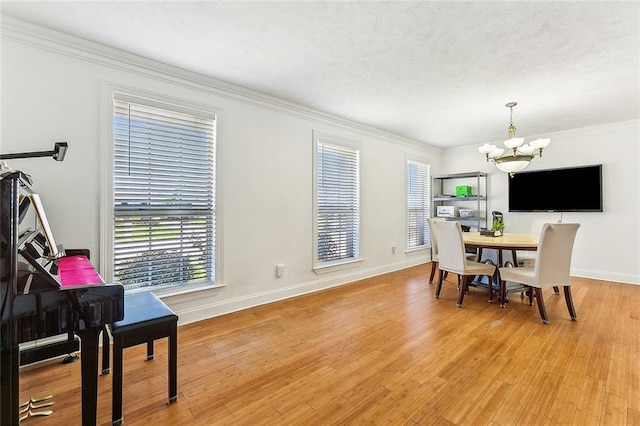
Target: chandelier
(517, 155)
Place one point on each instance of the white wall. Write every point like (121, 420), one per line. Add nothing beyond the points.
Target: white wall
(608, 244)
(55, 88)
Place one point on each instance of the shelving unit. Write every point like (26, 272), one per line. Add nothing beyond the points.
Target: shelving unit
(444, 190)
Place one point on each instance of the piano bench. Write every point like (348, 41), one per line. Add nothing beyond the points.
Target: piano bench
(146, 318)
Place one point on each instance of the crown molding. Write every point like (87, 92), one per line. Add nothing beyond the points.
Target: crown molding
(598, 129)
(61, 43)
(580, 131)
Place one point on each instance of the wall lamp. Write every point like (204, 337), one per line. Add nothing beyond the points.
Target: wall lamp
(58, 153)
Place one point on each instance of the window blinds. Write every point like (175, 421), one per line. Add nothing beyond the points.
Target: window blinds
(164, 196)
(337, 203)
(418, 185)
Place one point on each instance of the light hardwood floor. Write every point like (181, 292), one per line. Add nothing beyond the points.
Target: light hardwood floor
(384, 351)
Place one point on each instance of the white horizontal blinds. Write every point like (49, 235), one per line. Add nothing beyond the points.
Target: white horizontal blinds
(337, 202)
(164, 203)
(418, 185)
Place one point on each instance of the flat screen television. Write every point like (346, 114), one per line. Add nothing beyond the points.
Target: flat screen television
(572, 189)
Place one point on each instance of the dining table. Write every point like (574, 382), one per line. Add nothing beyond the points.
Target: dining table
(507, 241)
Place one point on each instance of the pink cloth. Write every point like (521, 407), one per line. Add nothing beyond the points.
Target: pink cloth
(77, 270)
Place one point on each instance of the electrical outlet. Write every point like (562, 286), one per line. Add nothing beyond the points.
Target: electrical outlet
(279, 270)
(393, 250)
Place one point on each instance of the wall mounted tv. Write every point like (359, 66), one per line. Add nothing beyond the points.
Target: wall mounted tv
(573, 189)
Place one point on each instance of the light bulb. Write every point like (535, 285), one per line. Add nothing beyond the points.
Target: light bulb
(540, 143)
(525, 149)
(486, 148)
(497, 152)
(513, 142)
(512, 166)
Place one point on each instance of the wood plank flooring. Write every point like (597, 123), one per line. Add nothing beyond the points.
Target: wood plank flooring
(384, 351)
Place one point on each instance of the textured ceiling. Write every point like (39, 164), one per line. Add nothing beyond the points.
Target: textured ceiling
(436, 72)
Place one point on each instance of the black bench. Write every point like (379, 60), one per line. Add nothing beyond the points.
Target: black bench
(146, 318)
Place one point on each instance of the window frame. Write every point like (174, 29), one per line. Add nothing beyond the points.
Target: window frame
(320, 267)
(109, 94)
(426, 201)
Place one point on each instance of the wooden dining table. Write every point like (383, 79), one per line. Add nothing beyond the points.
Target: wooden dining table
(507, 241)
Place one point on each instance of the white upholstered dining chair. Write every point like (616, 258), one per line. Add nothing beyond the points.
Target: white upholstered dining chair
(551, 269)
(453, 258)
(434, 246)
(528, 258)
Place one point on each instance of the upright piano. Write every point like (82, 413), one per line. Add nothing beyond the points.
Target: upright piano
(45, 293)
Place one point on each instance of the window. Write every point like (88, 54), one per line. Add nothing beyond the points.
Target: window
(418, 187)
(164, 202)
(337, 202)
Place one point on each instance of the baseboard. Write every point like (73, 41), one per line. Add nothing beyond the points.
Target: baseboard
(200, 311)
(202, 308)
(606, 276)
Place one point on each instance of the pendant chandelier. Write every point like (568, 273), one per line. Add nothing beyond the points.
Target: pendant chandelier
(517, 155)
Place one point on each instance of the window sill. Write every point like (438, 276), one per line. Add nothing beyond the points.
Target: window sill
(417, 250)
(175, 290)
(337, 266)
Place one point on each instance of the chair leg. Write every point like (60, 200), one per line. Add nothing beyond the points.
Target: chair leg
(173, 363)
(530, 296)
(556, 290)
(439, 285)
(503, 294)
(433, 271)
(464, 281)
(462, 285)
(150, 350)
(569, 300)
(541, 307)
(490, 278)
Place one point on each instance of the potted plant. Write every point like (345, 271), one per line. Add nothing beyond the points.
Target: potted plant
(498, 224)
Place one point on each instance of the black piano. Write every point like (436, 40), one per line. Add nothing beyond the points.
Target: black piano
(35, 300)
